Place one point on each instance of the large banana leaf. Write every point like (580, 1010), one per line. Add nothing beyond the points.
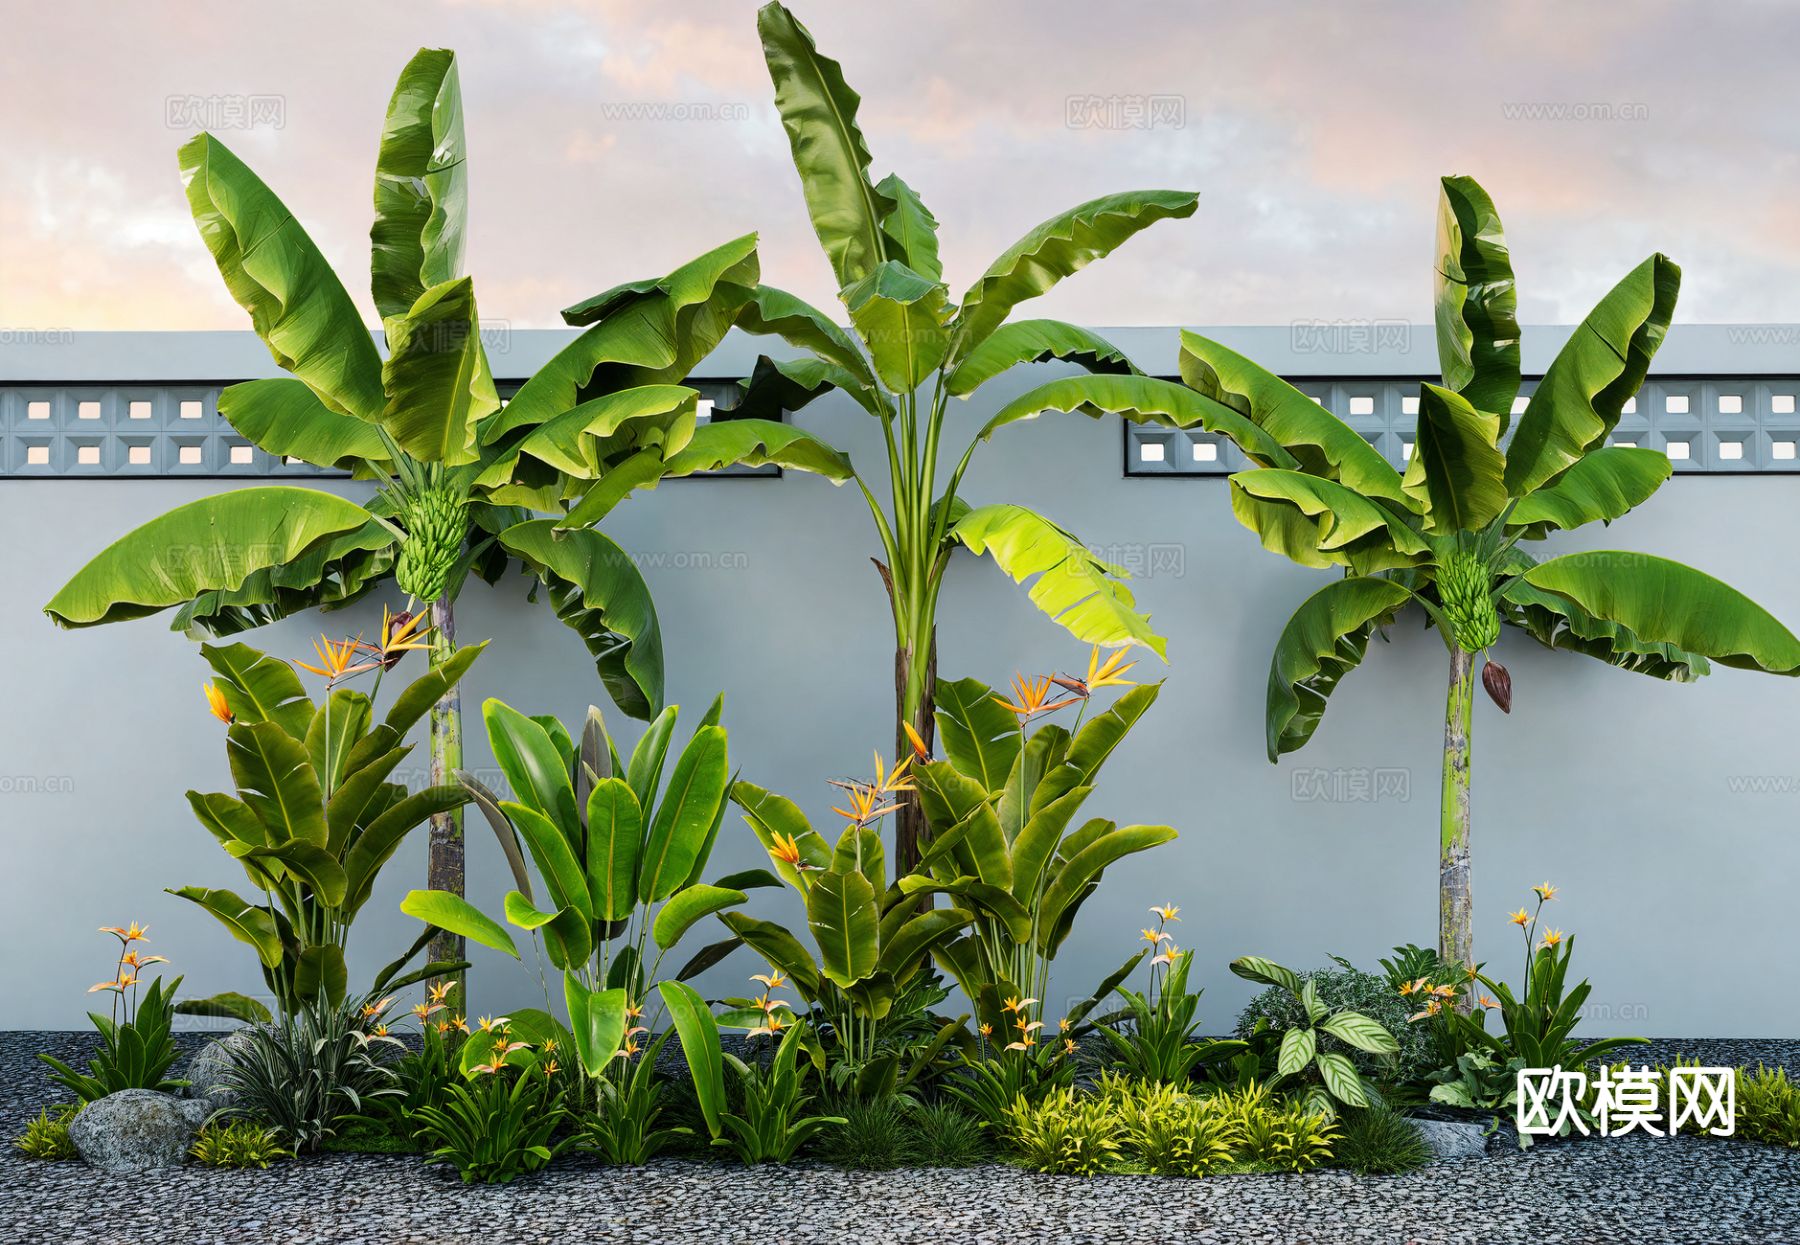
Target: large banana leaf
(1665, 602)
(776, 312)
(1457, 473)
(685, 814)
(1060, 247)
(779, 947)
(1082, 593)
(285, 418)
(818, 111)
(754, 442)
(260, 688)
(1558, 623)
(980, 738)
(455, 915)
(421, 185)
(1142, 400)
(533, 767)
(1584, 390)
(272, 771)
(1323, 444)
(596, 588)
(688, 905)
(1082, 870)
(840, 907)
(910, 230)
(901, 317)
(587, 440)
(436, 376)
(597, 1020)
(1036, 341)
(1476, 303)
(214, 544)
(1604, 485)
(615, 830)
(247, 923)
(376, 845)
(653, 337)
(275, 272)
(1319, 523)
(335, 572)
(1324, 640)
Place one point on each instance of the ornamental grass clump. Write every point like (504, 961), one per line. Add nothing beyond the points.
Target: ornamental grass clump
(238, 1144)
(46, 1136)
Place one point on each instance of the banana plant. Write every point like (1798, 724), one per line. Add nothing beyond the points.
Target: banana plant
(1450, 533)
(1000, 807)
(618, 858)
(911, 349)
(871, 936)
(314, 818)
(465, 484)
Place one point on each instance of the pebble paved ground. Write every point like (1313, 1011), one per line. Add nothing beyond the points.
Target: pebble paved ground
(1644, 1191)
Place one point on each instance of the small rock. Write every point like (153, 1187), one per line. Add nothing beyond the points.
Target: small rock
(137, 1129)
(1453, 1141)
(205, 1071)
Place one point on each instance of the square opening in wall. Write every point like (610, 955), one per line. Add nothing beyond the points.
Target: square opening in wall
(37, 455)
(1783, 450)
(1206, 452)
(242, 455)
(1362, 404)
(87, 410)
(1731, 451)
(1410, 406)
(1678, 451)
(141, 409)
(1781, 404)
(1731, 404)
(1626, 445)
(1676, 404)
(1519, 404)
(1406, 449)
(1630, 407)
(1152, 452)
(138, 455)
(87, 455)
(191, 456)
(193, 409)
(37, 410)
(703, 410)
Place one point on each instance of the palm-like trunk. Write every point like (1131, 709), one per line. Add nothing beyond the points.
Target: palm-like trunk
(1456, 938)
(444, 866)
(915, 701)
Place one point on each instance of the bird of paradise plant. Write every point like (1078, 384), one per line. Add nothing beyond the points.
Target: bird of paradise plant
(136, 1048)
(915, 349)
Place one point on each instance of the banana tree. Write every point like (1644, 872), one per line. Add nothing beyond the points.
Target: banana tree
(1449, 533)
(465, 484)
(914, 349)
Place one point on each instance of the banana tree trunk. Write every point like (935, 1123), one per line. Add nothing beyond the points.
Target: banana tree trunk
(1456, 938)
(915, 701)
(444, 865)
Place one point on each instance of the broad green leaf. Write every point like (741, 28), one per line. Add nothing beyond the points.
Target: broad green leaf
(907, 947)
(553, 852)
(687, 811)
(436, 376)
(776, 388)
(587, 440)
(1268, 972)
(337, 726)
(1036, 341)
(247, 923)
(1476, 304)
(840, 907)
(1605, 484)
(306, 861)
(455, 915)
(1457, 473)
(285, 419)
(277, 781)
(1341, 1078)
(214, 544)
(688, 905)
(778, 947)
(1664, 602)
(320, 972)
(1556, 622)
(521, 912)
(532, 764)
(818, 112)
(645, 769)
(901, 317)
(1309, 999)
(260, 688)
(995, 903)
(771, 311)
(768, 815)
(910, 229)
(228, 820)
(1093, 744)
(699, 1047)
(376, 845)
(1577, 404)
(421, 185)
(422, 693)
(1083, 869)
(275, 272)
(753, 443)
(1320, 523)
(1058, 248)
(1323, 444)
(227, 1005)
(333, 573)
(597, 1019)
(1298, 1046)
(1324, 640)
(1362, 1032)
(1079, 591)
(979, 737)
(1036, 843)
(596, 588)
(615, 829)
(1141, 400)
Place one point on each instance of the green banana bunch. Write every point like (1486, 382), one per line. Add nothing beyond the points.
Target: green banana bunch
(436, 521)
(1463, 584)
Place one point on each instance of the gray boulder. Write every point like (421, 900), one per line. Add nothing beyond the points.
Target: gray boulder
(137, 1129)
(1453, 1141)
(205, 1071)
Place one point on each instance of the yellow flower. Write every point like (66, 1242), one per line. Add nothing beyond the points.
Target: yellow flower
(1485, 1001)
(1111, 674)
(372, 1010)
(786, 849)
(336, 659)
(128, 935)
(888, 783)
(1545, 891)
(1069, 1046)
(400, 634)
(215, 702)
(918, 744)
(549, 1067)
(438, 992)
(865, 803)
(1153, 936)
(1024, 1043)
(134, 960)
(1552, 937)
(1163, 957)
(770, 981)
(1166, 912)
(460, 1024)
(491, 1067)
(102, 985)
(127, 979)
(1063, 1025)
(380, 1030)
(987, 1030)
(1521, 917)
(487, 1024)
(1034, 697)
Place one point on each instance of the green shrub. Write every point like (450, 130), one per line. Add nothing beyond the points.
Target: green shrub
(1768, 1107)
(875, 1136)
(498, 1126)
(622, 1128)
(240, 1143)
(1349, 988)
(1175, 1133)
(310, 1074)
(943, 1135)
(1064, 1132)
(1379, 1141)
(47, 1136)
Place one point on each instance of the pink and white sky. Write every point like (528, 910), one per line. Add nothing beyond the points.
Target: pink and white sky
(1314, 132)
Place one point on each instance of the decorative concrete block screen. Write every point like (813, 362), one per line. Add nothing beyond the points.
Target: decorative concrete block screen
(49, 429)
(1723, 425)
